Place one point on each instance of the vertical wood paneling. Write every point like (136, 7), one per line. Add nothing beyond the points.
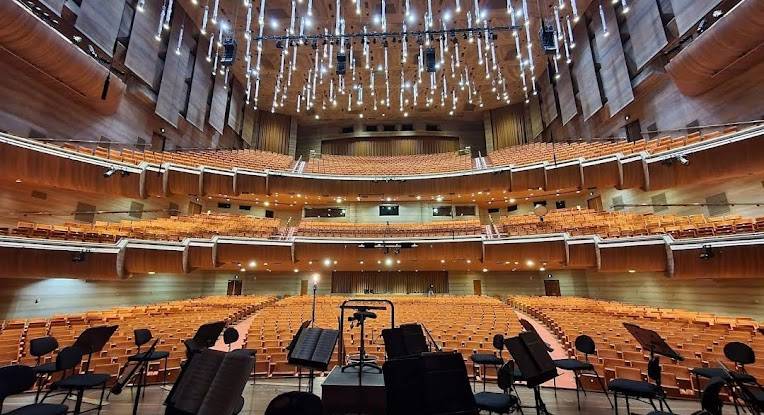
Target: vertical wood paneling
(235, 114)
(614, 74)
(389, 282)
(201, 85)
(248, 125)
(219, 103)
(565, 94)
(586, 76)
(689, 12)
(99, 20)
(535, 111)
(508, 126)
(548, 103)
(646, 31)
(172, 90)
(143, 51)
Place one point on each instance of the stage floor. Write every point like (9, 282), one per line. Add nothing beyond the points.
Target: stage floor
(258, 396)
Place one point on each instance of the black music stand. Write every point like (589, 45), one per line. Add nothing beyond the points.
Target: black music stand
(530, 354)
(312, 347)
(90, 341)
(654, 343)
(205, 337)
(134, 369)
(305, 324)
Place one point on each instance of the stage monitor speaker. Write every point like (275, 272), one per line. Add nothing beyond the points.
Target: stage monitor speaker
(229, 52)
(429, 59)
(341, 63)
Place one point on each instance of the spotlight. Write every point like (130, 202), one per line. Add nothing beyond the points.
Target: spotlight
(78, 256)
(682, 159)
(707, 253)
(109, 172)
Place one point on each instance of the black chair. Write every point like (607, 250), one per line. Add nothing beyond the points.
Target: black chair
(710, 402)
(496, 402)
(17, 379)
(68, 359)
(39, 348)
(230, 336)
(585, 345)
(142, 337)
(640, 390)
(739, 353)
(295, 402)
(488, 359)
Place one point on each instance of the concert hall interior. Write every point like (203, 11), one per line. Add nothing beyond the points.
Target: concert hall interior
(443, 207)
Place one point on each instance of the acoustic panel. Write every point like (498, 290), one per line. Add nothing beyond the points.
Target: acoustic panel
(219, 103)
(201, 85)
(586, 76)
(235, 113)
(172, 90)
(248, 125)
(646, 31)
(143, 51)
(535, 112)
(54, 5)
(548, 103)
(688, 12)
(508, 126)
(99, 21)
(614, 74)
(565, 94)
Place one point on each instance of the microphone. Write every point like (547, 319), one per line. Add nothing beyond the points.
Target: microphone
(105, 90)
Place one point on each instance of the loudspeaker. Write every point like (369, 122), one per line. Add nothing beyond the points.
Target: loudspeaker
(341, 63)
(429, 59)
(229, 52)
(547, 39)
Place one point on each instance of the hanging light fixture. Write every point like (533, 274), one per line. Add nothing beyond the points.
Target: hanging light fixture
(603, 21)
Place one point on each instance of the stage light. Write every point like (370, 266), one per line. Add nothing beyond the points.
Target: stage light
(529, 263)
(316, 278)
(388, 261)
(485, 269)
(252, 264)
(707, 253)
(296, 270)
(327, 262)
(109, 172)
(682, 159)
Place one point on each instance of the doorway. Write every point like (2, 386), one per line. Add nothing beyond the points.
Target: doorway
(303, 287)
(194, 208)
(477, 287)
(552, 288)
(234, 287)
(595, 203)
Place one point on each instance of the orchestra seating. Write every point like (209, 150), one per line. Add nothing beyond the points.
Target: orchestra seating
(698, 337)
(611, 224)
(390, 165)
(463, 323)
(173, 228)
(171, 322)
(469, 227)
(539, 152)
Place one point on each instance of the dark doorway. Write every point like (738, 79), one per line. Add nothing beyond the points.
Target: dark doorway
(552, 288)
(633, 131)
(477, 286)
(234, 287)
(303, 287)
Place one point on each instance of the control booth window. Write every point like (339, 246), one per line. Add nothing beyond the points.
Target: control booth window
(441, 211)
(388, 210)
(332, 212)
(465, 210)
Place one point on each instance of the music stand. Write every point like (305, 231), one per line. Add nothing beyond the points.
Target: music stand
(132, 369)
(653, 342)
(90, 341)
(530, 354)
(205, 337)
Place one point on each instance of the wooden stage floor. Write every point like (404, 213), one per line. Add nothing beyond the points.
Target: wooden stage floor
(258, 396)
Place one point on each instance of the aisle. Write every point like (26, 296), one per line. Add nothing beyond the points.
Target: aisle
(242, 327)
(566, 379)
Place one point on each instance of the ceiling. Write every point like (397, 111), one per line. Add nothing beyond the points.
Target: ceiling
(489, 86)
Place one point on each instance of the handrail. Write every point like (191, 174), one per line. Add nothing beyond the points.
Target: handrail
(429, 336)
(702, 127)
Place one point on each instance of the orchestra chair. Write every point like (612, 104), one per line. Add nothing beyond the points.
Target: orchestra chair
(585, 345)
(38, 348)
(640, 389)
(17, 379)
(488, 359)
(141, 337)
(68, 359)
(295, 402)
(230, 336)
(500, 402)
(710, 402)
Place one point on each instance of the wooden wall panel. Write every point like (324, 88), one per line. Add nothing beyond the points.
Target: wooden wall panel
(172, 90)
(548, 102)
(390, 146)
(99, 20)
(235, 110)
(586, 76)
(201, 85)
(689, 12)
(614, 74)
(646, 31)
(219, 103)
(537, 125)
(508, 126)
(143, 51)
(389, 282)
(565, 94)
(249, 124)
(273, 132)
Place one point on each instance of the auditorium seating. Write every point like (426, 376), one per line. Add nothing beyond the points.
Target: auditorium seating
(390, 165)
(463, 323)
(612, 224)
(173, 228)
(698, 337)
(538, 152)
(172, 322)
(470, 227)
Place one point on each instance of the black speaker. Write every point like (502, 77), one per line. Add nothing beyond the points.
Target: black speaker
(547, 39)
(429, 59)
(229, 52)
(341, 63)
